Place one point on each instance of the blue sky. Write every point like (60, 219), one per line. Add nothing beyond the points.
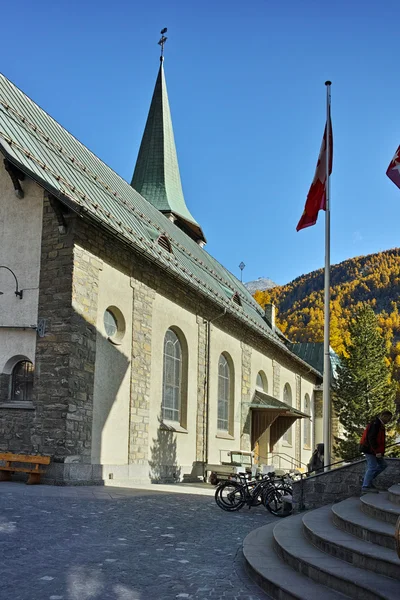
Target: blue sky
(246, 88)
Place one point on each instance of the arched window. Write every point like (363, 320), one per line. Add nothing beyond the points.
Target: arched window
(225, 395)
(287, 398)
(262, 382)
(22, 381)
(172, 378)
(307, 422)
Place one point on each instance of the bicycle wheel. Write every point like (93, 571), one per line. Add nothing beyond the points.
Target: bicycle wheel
(275, 500)
(230, 496)
(257, 493)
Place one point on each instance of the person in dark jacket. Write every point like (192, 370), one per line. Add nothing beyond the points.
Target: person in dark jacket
(317, 460)
(372, 444)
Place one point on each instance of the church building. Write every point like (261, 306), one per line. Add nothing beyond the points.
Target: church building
(127, 352)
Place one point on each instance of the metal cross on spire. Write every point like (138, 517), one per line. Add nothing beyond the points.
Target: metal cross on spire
(162, 41)
(241, 267)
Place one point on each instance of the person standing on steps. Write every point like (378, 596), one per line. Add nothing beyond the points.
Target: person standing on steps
(316, 463)
(372, 444)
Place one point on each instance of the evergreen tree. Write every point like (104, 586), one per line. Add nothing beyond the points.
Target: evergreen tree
(364, 386)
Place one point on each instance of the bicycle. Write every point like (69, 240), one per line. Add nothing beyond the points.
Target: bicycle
(268, 490)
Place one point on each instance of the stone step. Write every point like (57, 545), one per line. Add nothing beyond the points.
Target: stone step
(359, 584)
(380, 507)
(394, 494)
(277, 579)
(348, 517)
(320, 530)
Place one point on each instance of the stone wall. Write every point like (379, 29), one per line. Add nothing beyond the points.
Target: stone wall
(298, 427)
(339, 484)
(15, 423)
(245, 442)
(64, 365)
(140, 373)
(276, 384)
(201, 389)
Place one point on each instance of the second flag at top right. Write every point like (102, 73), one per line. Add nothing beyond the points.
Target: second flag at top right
(316, 198)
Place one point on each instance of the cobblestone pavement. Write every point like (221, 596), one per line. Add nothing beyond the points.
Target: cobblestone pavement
(115, 544)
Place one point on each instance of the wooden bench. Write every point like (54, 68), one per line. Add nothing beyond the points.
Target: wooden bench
(34, 471)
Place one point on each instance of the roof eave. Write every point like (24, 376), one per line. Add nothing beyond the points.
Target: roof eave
(91, 216)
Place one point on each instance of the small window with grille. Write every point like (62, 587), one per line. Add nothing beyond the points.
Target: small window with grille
(164, 242)
(236, 299)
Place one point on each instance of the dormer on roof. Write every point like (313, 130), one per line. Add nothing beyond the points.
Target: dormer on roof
(156, 176)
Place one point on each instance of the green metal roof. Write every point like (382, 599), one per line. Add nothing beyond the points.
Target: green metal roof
(156, 176)
(313, 354)
(261, 400)
(57, 161)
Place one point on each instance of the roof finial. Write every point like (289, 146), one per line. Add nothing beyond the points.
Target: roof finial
(162, 42)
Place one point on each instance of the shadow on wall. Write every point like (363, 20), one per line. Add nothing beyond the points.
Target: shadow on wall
(163, 456)
(110, 437)
(96, 370)
(72, 402)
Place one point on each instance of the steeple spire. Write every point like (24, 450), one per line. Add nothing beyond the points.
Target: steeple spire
(156, 176)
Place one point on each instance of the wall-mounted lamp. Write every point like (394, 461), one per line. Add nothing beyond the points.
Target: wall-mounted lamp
(17, 292)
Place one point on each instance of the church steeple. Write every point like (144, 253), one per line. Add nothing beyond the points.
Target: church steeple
(156, 176)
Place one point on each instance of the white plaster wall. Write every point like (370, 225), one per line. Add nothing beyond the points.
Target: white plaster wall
(110, 433)
(19, 343)
(218, 441)
(20, 247)
(260, 362)
(166, 314)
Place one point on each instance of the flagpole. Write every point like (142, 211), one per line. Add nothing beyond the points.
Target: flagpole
(327, 363)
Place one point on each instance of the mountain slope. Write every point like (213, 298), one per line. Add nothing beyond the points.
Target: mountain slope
(374, 279)
(262, 283)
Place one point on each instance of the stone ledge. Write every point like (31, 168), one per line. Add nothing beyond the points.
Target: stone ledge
(170, 426)
(18, 405)
(224, 436)
(94, 474)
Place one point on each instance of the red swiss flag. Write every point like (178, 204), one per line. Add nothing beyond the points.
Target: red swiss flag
(316, 199)
(393, 171)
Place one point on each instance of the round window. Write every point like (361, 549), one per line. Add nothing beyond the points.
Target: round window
(110, 323)
(114, 324)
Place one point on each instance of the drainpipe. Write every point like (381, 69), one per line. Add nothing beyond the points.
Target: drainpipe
(207, 391)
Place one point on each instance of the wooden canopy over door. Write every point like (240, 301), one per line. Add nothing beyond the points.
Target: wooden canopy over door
(277, 421)
(260, 421)
(270, 413)
(279, 427)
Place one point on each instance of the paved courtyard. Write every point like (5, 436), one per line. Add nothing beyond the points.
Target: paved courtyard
(121, 544)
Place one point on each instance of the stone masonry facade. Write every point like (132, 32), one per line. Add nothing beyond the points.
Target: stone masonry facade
(16, 425)
(245, 443)
(276, 383)
(65, 355)
(298, 436)
(339, 484)
(143, 298)
(201, 388)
